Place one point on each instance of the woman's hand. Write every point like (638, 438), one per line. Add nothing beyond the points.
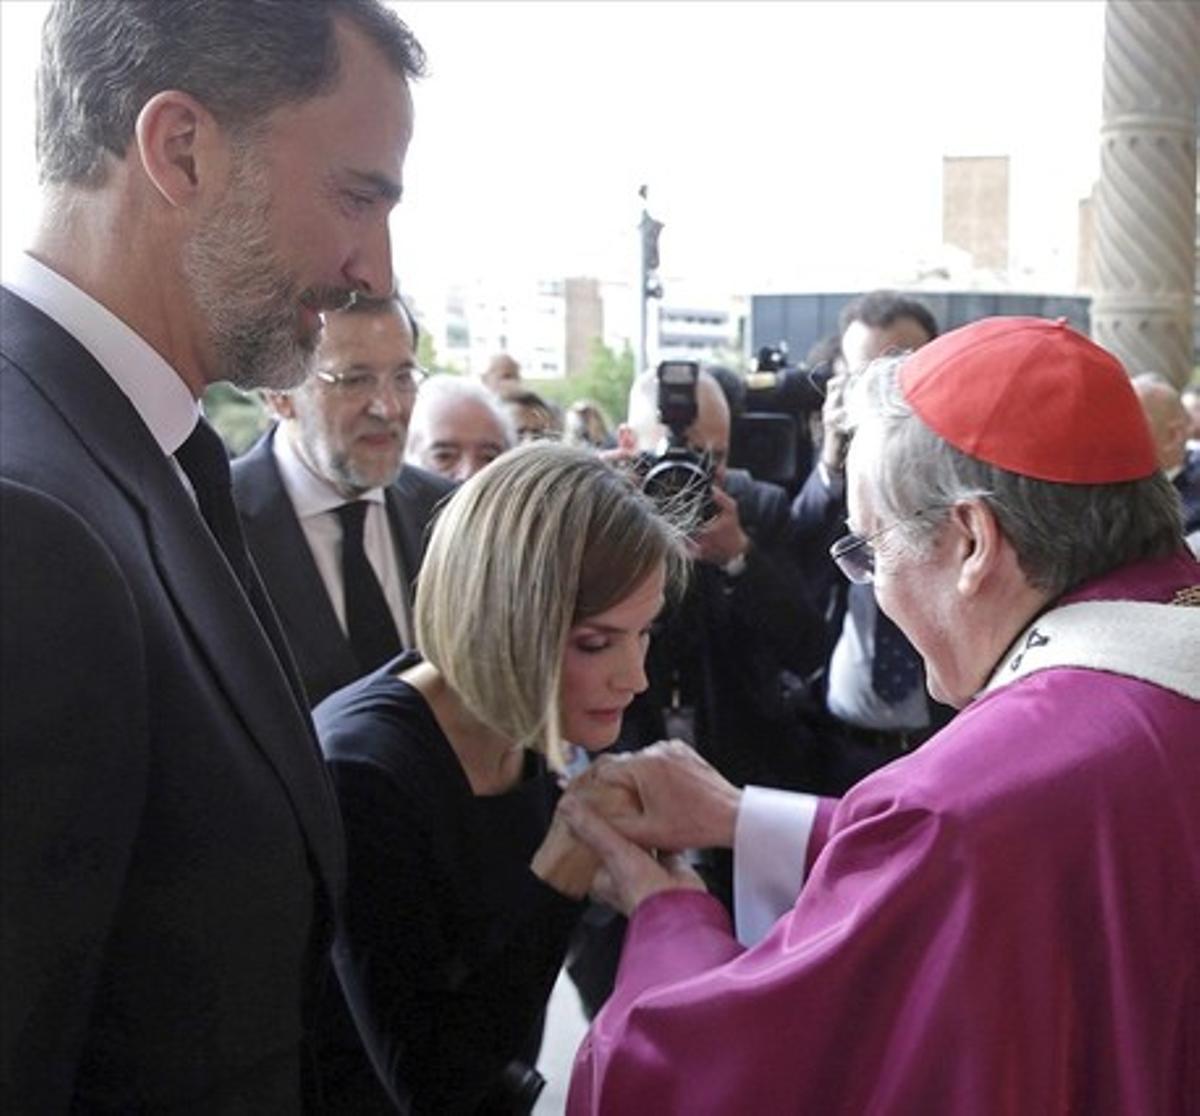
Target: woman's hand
(563, 861)
(630, 874)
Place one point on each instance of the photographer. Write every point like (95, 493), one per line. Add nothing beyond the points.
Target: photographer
(726, 663)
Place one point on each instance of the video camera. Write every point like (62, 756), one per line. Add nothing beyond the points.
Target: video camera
(771, 436)
(779, 388)
(677, 479)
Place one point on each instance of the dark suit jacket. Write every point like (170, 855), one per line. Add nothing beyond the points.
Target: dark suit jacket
(171, 847)
(1187, 484)
(277, 541)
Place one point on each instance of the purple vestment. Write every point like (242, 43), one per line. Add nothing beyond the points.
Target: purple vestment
(1006, 921)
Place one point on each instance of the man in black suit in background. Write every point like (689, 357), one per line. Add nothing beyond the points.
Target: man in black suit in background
(334, 518)
(216, 176)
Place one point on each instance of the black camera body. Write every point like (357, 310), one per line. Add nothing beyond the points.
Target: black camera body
(677, 479)
(777, 387)
(772, 437)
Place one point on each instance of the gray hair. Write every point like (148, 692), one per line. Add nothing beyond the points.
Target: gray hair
(102, 60)
(545, 537)
(447, 388)
(1063, 534)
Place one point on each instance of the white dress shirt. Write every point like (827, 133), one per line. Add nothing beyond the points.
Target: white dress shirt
(156, 390)
(851, 694)
(316, 501)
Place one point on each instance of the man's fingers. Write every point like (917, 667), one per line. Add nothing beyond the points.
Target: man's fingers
(590, 827)
(722, 499)
(643, 830)
(597, 834)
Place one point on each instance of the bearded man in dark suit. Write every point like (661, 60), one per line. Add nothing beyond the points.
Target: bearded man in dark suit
(217, 175)
(339, 449)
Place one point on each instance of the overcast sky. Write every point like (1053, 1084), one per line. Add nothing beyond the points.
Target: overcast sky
(786, 145)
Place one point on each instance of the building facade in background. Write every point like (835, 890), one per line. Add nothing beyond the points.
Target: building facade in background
(551, 327)
(975, 208)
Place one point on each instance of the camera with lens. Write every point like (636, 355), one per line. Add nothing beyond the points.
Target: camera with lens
(676, 478)
(781, 388)
(771, 435)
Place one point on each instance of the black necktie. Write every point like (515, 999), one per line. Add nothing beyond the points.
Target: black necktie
(204, 458)
(896, 667)
(369, 622)
(206, 463)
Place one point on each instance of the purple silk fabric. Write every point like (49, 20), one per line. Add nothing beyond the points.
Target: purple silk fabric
(1006, 921)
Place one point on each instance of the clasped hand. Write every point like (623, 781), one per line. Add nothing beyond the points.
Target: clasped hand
(635, 814)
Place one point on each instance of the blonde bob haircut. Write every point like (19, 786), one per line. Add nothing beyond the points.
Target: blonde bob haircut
(543, 538)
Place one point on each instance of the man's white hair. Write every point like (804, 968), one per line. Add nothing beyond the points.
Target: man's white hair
(445, 390)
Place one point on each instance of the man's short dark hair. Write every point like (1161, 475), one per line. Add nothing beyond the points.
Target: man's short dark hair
(365, 304)
(880, 309)
(521, 396)
(102, 60)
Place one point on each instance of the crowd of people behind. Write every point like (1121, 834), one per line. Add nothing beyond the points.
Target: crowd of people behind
(320, 763)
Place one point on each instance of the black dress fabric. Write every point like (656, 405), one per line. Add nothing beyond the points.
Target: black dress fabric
(449, 945)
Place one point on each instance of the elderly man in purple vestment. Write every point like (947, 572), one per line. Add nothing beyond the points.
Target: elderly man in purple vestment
(1007, 921)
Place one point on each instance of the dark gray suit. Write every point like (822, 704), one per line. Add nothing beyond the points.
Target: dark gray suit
(171, 848)
(281, 551)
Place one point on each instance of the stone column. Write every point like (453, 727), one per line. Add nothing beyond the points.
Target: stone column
(1146, 198)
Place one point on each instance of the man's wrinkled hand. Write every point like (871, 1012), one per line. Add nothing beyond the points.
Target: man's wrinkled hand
(683, 801)
(630, 874)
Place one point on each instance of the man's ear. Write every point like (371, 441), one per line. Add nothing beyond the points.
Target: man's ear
(280, 403)
(978, 542)
(182, 149)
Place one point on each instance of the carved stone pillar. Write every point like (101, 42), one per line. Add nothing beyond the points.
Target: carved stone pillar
(1146, 199)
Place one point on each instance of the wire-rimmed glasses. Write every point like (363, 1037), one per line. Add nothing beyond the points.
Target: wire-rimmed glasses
(361, 385)
(855, 554)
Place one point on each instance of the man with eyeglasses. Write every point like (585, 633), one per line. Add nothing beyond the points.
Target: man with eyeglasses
(335, 520)
(872, 689)
(1006, 920)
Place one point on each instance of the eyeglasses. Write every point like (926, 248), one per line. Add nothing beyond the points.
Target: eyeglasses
(358, 385)
(855, 556)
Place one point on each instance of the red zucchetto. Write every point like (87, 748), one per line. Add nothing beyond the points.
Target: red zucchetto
(1034, 397)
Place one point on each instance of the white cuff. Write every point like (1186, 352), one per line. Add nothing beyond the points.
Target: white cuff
(770, 843)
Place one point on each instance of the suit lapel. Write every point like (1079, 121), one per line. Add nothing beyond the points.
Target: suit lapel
(282, 553)
(406, 538)
(194, 572)
(412, 501)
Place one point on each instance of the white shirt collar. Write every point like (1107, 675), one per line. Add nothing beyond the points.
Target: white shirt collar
(311, 494)
(155, 389)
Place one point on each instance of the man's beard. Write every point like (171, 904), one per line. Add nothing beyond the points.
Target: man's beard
(248, 297)
(338, 465)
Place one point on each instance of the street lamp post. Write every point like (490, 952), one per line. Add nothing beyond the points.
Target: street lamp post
(649, 285)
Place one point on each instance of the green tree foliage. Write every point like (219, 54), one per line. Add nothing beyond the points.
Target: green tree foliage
(427, 356)
(606, 381)
(239, 417)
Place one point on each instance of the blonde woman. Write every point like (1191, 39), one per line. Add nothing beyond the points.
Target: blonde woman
(541, 580)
